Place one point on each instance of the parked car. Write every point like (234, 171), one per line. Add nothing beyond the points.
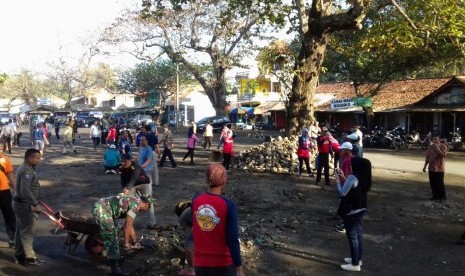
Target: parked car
(5, 117)
(139, 119)
(86, 120)
(217, 123)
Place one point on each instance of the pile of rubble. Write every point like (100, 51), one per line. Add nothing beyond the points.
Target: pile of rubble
(277, 156)
(165, 255)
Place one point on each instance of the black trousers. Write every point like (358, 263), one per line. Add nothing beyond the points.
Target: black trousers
(104, 137)
(18, 136)
(7, 212)
(57, 133)
(323, 163)
(215, 271)
(436, 181)
(167, 152)
(95, 141)
(307, 165)
(336, 160)
(190, 152)
(226, 160)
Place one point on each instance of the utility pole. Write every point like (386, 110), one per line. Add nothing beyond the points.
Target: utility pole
(176, 115)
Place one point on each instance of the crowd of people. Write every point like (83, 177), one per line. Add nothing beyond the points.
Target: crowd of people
(209, 219)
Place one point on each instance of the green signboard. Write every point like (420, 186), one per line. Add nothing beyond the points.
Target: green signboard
(363, 101)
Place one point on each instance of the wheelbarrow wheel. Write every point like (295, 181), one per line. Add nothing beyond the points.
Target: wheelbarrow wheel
(94, 244)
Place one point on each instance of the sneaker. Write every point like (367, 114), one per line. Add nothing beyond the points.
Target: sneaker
(349, 261)
(350, 267)
(34, 261)
(341, 230)
(113, 172)
(311, 175)
(107, 172)
(11, 243)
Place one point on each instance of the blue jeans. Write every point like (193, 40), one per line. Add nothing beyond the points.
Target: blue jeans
(354, 231)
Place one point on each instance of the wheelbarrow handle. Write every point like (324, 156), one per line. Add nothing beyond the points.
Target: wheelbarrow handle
(48, 212)
(46, 207)
(56, 221)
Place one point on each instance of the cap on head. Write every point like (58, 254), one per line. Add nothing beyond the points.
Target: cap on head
(353, 136)
(304, 130)
(216, 175)
(112, 147)
(126, 156)
(181, 206)
(146, 198)
(347, 146)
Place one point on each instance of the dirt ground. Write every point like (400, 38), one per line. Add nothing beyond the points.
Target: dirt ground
(286, 223)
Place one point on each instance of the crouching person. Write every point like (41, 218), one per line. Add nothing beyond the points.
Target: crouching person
(106, 212)
(184, 212)
(112, 160)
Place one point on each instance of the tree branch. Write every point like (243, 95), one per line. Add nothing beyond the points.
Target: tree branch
(404, 14)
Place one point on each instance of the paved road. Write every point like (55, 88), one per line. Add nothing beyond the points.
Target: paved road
(413, 160)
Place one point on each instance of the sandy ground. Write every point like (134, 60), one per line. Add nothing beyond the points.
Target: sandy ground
(286, 223)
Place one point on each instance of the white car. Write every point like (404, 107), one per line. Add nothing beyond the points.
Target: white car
(96, 114)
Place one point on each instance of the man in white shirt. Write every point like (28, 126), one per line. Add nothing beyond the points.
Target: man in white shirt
(360, 135)
(208, 135)
(95, 134)
(5, 136)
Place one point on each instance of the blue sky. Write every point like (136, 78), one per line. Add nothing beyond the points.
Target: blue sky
(32, 31)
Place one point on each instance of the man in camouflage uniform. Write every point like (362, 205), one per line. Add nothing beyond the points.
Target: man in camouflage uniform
(107, 211)
(25, 205)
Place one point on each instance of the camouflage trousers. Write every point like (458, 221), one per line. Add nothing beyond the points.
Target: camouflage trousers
(108, 230)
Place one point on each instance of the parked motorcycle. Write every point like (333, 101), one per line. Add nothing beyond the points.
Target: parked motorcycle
(375, 138)
(427, 141)
(399, 138)
(455, 140)
(413, 138)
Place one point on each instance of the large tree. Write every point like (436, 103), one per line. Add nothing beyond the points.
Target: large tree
(25, 86)
(394, 29)
(72, 77)
(397, 43)
(160, 77)
(194, 34)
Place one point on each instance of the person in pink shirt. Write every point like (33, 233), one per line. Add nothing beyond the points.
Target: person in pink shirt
(191, 140)
(228, 151)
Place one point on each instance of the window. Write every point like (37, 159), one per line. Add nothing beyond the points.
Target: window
(112, 103)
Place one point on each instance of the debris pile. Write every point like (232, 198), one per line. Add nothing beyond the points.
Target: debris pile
(277, 156)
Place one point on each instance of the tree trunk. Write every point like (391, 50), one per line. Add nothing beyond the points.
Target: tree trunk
(216, 96)
(301, 100)
(370, 115)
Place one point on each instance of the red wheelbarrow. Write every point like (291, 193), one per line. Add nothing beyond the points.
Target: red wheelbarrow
(78, 225)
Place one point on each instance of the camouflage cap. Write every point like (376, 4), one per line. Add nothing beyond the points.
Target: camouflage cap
(146, 198)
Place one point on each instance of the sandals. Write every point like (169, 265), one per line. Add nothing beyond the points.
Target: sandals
(134, 247)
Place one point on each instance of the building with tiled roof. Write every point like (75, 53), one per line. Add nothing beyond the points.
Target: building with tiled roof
(433, 104)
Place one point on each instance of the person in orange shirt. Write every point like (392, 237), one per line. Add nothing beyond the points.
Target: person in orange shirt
(7, 182)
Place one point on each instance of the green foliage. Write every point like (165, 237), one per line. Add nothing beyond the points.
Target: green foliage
(3, 78)
(160, 76)
(251, 87)
(392, 45)
(25, 86)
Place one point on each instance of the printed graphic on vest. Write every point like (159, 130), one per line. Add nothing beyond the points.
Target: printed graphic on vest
(206, 217)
